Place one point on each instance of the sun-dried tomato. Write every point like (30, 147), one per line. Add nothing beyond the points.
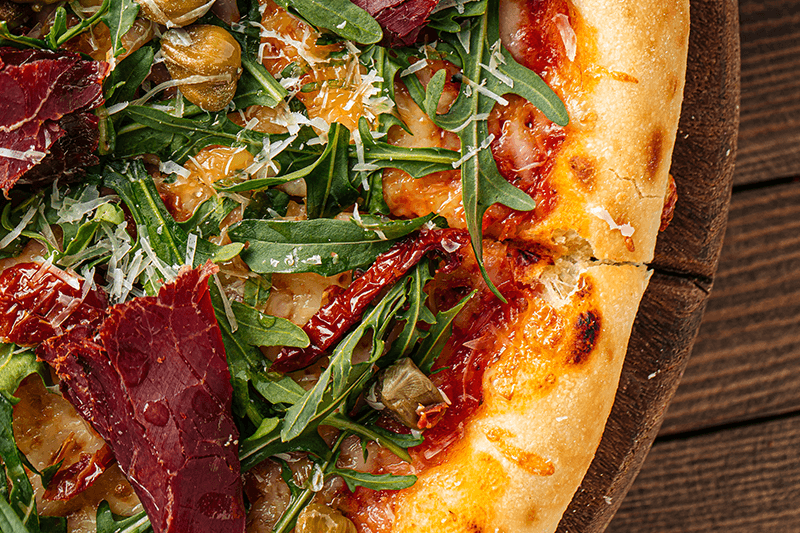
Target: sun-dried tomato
(39, 301)
(334, 319)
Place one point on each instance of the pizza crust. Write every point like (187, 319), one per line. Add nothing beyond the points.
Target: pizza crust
(623, 93)
(529, 445)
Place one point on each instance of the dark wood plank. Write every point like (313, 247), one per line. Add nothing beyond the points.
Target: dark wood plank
(703, 160)
(662, 338)
(769, 139)
(738, 480)
(747, 357)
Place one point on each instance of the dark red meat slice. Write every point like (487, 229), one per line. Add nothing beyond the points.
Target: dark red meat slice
(401, 20)
(40, 90)
(334, 319)
(154, 383)
(39, 301)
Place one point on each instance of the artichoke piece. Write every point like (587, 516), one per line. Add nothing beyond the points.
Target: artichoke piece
(410, 395)
(318, 518)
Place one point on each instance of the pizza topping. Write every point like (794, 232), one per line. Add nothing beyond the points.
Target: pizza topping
(207, 62)
(69, 481)
(402, 20)
(44, 114)
(316, 518)
(39, 301)
(174, 13)
(177, 445)
(669, 204)
(333, 320)
(410, 395)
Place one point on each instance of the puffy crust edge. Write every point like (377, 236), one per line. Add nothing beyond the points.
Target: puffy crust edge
(485, 485)
(634, 124)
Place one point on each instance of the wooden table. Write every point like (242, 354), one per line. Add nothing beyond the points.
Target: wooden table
(727, 457)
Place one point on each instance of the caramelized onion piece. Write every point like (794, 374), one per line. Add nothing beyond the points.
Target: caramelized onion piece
(410, 395)
(334, 319)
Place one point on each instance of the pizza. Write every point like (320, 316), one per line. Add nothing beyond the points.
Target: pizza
(323, 266)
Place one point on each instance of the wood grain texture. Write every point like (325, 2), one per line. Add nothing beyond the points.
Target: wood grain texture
(769, 139)
(747, 357)
(660, 344)
(705, 149)
(738, 480)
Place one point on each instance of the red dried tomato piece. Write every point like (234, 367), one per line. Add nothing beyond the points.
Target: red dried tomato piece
(333, 320)
(79, 476)
(39, 301)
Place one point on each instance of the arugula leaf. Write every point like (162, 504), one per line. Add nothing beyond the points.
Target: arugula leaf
(58, 27)
(15, 365)
(328, 179)
(323, 246)
(6, 37)
(119, 18)
(168, 240)
(482, 184)
(208, 216)
(258, 329)
(340, 379)
(354, 478)
(122, 83)
(21, 503)
(342, 17)
(444, 19)
(440, 332)
(417, 162)
(417, 312)
(257, 86)
(107, 522)
(393, 442)
(178, 138)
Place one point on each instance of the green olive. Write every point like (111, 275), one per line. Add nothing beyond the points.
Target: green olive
(174, 13)
(318, 518)
(205, 51)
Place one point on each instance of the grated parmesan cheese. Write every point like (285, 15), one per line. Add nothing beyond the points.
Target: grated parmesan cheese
(625, 229)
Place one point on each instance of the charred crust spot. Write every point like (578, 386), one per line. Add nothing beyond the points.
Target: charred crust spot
(587, 330)
(654, 154)
(583, 169)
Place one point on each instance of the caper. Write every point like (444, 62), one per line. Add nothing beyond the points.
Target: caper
(318, 518)
(410, 395)
(174, 13)
(199, 52)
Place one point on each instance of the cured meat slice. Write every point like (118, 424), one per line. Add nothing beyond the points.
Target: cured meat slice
(154, 383)
(402, 20)
(334, 319)
(46, 95)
